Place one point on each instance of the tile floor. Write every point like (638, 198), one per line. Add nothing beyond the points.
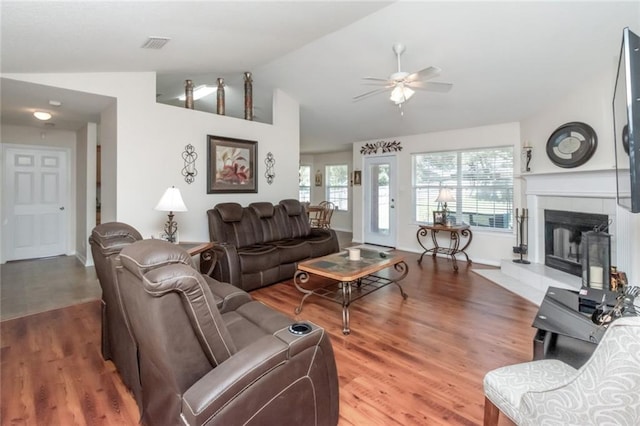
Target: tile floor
(33, 286)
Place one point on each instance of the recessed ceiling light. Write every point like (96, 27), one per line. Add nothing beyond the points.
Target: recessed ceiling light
(55, 103)
(41, 115)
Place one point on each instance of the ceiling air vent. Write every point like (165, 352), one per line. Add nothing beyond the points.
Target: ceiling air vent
(155, 42)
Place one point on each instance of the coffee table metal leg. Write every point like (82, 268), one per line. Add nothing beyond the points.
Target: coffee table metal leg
(303, 278)
(403, 268)
(346, 301)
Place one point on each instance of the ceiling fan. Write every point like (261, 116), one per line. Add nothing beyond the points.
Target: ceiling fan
(402, 83)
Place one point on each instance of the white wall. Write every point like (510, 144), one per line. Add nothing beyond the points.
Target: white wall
(151, 137)
(501, 243)
(33, 136)
(86, 190)
(591, 105)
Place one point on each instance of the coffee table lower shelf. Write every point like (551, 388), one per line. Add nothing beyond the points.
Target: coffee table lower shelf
(345, 292)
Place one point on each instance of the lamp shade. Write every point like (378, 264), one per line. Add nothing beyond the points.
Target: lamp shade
(445, 196)
(171, 201)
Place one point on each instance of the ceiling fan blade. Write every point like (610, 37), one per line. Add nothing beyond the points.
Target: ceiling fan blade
(424, 74)
(386, 80)
(431, 86)
(372, 92)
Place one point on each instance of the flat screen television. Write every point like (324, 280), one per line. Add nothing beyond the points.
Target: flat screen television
(626, 122)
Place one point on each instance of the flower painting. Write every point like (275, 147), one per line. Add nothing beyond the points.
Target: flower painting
(231, 165)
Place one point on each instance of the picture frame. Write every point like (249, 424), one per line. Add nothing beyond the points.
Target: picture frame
(231, 165)
(318, 178)
(357, 177)
(439, 217)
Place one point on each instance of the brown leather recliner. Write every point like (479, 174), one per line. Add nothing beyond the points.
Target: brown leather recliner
(118, 345)
(201, 366)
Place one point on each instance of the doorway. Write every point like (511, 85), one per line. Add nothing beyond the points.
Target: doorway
(380, 201)
(36, 202)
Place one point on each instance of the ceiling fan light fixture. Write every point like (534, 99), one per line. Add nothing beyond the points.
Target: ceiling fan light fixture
(401, 94)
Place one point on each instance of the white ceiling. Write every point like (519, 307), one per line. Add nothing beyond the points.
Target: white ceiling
(507, 60)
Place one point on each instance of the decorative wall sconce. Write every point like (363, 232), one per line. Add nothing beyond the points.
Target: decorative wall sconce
(527, 153)
(189, 170)
(270, 174)
(220, 97)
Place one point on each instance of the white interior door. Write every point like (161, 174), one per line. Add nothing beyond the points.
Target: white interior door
(380, 200)
(36, 198)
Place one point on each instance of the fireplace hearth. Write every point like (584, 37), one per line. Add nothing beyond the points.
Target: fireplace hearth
(563, 235)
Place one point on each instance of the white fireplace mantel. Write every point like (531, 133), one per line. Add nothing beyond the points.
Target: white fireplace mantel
(579, 191)
(585, 184)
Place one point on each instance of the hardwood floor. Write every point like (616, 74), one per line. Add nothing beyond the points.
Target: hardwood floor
(414, 362)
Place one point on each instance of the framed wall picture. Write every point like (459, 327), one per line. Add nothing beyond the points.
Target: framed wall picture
(318, 178)
(231, 165)
(357, 177)
(439, 217)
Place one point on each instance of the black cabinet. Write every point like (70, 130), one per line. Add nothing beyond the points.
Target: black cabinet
(565, 329)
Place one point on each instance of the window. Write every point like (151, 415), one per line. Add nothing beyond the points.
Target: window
(481, 181)
(338, 185)
(304, 184)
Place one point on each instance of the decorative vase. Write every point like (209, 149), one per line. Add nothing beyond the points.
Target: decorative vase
(248, 96)
(188, 91)
(220, 97)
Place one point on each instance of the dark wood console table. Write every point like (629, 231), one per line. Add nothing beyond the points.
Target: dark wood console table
(455, 234)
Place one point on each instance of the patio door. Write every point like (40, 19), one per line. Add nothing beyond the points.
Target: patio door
(380, 201)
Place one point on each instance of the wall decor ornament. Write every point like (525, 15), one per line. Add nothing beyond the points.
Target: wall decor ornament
(220, 97)
(231, 165)
(572, 144)
(357, 177)
(188, 93)
(189, 170)
(318, 178)
(385, 146)
(248, 96)
(270, 174)
(527, 154)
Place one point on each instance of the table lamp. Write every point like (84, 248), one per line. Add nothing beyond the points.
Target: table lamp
(171, 201)
(445, 196)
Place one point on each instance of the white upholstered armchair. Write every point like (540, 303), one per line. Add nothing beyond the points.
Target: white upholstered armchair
(604, 391)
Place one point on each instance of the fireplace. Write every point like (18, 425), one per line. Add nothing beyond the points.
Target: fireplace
(563, 235)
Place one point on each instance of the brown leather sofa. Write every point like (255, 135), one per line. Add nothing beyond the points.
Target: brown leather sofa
(118, 343)
(200, 366)
(262, 243)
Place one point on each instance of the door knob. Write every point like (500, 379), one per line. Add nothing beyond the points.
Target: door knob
(62, 208)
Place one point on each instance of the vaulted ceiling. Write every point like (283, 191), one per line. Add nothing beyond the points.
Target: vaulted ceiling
(506, 60)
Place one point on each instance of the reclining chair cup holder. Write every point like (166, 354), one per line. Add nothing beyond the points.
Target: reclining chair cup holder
(300, 328)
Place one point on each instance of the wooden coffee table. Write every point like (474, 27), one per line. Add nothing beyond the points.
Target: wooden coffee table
(350, 279)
